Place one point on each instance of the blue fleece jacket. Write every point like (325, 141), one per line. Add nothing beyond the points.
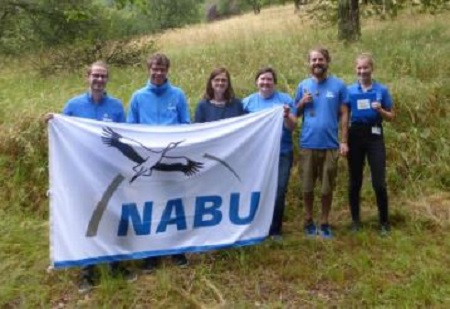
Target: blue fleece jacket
(158, 105)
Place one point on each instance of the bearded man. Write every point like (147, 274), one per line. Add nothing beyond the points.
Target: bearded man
(321, 104)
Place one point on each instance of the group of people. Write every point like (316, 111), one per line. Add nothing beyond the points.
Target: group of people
(322, 102)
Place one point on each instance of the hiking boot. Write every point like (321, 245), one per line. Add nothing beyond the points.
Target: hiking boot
(180, 260)
(310, 229)
(325, 231)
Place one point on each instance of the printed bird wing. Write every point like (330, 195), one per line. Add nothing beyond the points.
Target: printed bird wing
(114, 139)
(179, 164)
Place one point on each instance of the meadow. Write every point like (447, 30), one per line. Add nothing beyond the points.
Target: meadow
(408, 269)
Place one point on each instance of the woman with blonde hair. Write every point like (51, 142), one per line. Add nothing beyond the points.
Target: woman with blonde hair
(370, 105)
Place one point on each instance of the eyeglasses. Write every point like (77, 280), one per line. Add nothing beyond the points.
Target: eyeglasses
(103, 76)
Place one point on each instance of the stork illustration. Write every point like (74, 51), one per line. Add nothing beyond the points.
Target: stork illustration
(148, 159)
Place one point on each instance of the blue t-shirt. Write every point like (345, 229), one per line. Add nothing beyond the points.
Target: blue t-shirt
(320, 125)
(83, 106)
(206, 111)
(360, 103)
(158, 105)
(255, 102)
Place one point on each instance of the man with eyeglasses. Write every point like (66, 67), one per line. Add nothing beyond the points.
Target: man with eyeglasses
(96, 104)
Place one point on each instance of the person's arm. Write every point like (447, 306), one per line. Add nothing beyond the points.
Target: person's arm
(199, 116)
(302, 98)
(133, 113)
(343, 146)
(384, 108)
(121, 117)
(238, 107)
(245, 105)
(290, 112)
(387, 115)
(48, 117)
(183, 109)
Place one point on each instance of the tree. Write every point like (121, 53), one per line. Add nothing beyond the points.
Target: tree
(174, 13)
(298, 3)
(166, 14)
(31, 23)
(349, 28)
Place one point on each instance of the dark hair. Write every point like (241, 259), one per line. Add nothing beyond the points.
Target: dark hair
(158, 59)
(321, 50)
(266, 70)
(209, 93)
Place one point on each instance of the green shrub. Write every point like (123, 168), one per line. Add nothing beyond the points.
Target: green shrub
(119, 53)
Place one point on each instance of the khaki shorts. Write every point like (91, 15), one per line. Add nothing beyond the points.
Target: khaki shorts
(317, 163)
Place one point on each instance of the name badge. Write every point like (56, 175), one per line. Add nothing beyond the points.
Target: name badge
(106, 118)
(363, 104)
(376, 130)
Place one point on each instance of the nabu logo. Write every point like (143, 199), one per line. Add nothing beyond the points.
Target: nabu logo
(148, 160)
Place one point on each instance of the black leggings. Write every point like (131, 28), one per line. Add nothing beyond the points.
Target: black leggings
(363, 143)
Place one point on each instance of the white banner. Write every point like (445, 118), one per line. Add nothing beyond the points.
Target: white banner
(122, 191)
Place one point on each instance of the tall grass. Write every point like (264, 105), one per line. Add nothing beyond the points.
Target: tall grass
(409, 269)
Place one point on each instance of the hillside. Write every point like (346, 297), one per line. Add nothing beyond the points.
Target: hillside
(407, 269)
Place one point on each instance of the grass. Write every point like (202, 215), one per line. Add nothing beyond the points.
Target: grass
(406, 270)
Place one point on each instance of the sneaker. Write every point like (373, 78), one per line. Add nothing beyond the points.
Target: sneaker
(385, 229)
(311, 230)
(325, 231)
(150, 264)
(85, 285)
(180, 260)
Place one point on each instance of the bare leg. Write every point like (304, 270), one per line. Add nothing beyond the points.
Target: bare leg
(326, 207)
(308, 201)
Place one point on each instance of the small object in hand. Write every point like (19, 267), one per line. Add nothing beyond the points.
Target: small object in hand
(286, 111)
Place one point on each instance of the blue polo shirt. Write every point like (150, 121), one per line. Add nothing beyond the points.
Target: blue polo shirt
(363, 113)
(255, 102)
(320, 125)
(83, 106)
(159, 105)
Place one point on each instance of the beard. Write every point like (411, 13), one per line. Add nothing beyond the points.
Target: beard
(319, 70)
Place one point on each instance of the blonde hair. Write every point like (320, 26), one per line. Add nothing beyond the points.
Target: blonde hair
(98, 63)
(366, 56)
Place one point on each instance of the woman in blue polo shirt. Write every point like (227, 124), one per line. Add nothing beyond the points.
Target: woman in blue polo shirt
(268, 97)
(370, 104)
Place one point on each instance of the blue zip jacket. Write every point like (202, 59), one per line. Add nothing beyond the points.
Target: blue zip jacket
(158, 105)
